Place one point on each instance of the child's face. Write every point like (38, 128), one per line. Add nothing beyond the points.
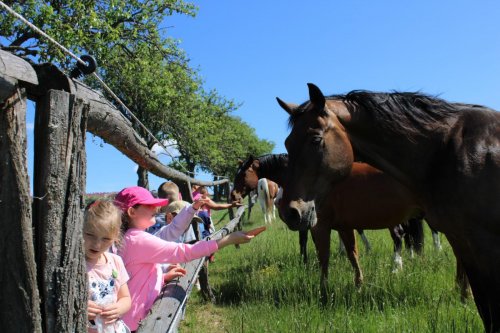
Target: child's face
(95, 243)
(169, 217)
(142, 216)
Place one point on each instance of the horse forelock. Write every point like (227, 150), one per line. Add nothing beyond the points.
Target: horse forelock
(297, 113)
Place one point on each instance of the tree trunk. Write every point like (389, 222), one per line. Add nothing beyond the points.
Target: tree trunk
(217, 191)
(142, 177)
(59, 185)
(19, 304)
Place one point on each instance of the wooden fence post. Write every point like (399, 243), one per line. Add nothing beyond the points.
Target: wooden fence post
(19, 304)
(59, 185)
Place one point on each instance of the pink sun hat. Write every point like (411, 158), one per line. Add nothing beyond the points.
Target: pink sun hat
(136, 195)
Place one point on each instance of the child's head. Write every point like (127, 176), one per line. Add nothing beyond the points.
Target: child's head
(175, 208)
(101, 227)
(203, 191)
(169, 190)
(138, 206)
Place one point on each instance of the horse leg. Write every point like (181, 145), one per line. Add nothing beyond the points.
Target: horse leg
(303, 244)
(483, 273)
(462, 281)
(436, 240)
(397, 237)
(352, 253)
(368, 246)
(321, 238)
(414, 235)
(270, 210)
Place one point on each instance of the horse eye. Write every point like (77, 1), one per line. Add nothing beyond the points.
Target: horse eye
(317, 139)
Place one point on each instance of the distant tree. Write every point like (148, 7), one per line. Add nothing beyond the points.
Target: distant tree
(86, 26)
(148, 71)
(154, 88)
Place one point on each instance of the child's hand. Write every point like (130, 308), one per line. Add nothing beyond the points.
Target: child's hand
(174, 271)
(238, 237)
(198, 203)
(110, 313)
(237, 204)
(93, 310)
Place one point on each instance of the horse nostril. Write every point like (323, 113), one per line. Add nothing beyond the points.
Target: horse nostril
(293, 218)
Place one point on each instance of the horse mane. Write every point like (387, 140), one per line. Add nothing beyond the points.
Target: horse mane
(270, 163)
(409, 113)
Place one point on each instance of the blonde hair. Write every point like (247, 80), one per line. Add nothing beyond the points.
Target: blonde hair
(105, 217)
(169, 190)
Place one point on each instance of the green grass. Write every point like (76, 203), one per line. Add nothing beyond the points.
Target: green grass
(264, 287)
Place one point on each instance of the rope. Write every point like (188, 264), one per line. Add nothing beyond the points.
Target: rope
(108, 89)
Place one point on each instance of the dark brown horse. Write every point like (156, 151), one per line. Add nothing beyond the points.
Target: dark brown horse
(368, 199)
(447, 154)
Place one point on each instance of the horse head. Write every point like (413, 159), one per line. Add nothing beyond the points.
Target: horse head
(246, 178)
(319, 152)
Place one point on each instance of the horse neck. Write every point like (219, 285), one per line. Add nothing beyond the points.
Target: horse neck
(394, 159)
(273, 168)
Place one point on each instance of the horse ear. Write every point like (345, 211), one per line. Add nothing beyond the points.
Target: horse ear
(240, 162)
(316, 96)
(288, 107)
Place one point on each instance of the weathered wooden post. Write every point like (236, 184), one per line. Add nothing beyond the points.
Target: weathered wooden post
(59, 186)
(20, 302)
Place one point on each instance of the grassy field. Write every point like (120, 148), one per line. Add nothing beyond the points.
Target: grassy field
(264, 287)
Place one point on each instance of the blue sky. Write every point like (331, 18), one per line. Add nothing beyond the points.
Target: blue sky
(253, 51)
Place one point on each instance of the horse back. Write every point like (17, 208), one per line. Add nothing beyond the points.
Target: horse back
(468, 165)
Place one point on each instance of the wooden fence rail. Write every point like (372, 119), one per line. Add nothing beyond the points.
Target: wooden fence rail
(168, 309)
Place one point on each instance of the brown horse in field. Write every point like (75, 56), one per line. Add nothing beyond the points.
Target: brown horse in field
(447, 154)
(368, 199)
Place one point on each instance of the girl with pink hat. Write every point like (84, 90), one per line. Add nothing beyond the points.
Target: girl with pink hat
(144, 253)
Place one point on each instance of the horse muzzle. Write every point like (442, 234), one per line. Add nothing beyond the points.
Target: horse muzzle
(299, 215)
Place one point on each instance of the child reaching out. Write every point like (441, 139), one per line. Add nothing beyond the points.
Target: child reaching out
(143, 253)
(109, 297)
(205, 213)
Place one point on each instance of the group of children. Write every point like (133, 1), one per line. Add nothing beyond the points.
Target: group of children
(124, 285)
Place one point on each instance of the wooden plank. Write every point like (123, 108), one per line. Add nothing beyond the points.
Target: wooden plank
(59, 185)
(19, 304)
(167, 311)
(17, 68)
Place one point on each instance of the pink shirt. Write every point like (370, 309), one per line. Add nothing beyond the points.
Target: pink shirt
(142, 254)
(196, 196)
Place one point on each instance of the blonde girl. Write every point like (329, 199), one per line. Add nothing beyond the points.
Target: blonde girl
(109, 296)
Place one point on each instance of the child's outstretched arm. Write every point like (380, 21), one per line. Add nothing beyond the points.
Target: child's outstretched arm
(112, 312)
(216, 206)
(238, 237)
